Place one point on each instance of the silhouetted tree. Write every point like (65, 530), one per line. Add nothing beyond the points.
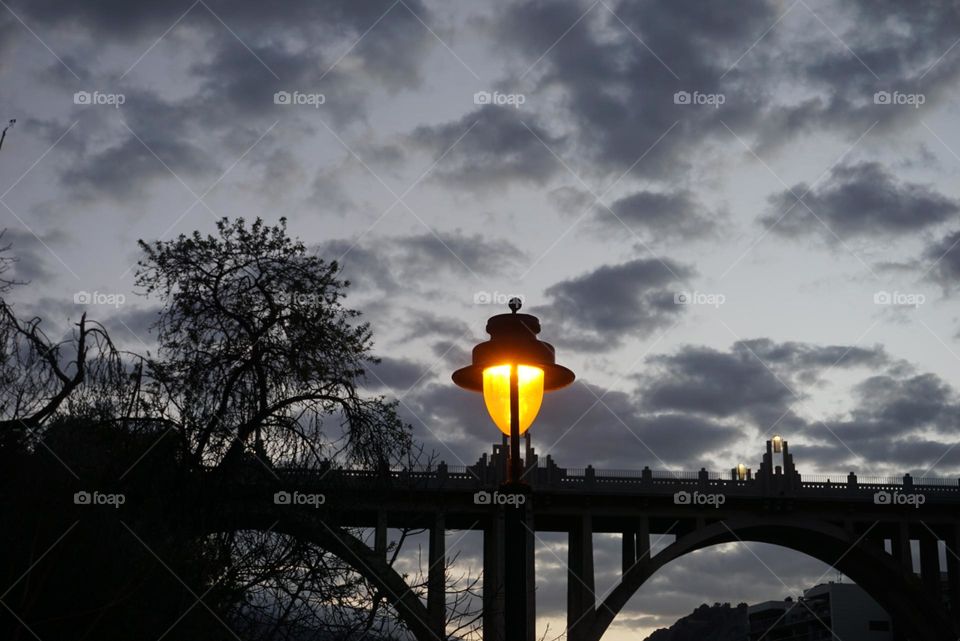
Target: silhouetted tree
(257, 356)
(256, 347)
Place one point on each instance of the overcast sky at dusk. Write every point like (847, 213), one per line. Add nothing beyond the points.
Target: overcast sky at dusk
(733, 219)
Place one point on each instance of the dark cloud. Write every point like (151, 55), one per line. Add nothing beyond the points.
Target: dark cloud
(714, 383)
(859, 200)
(433, 253)
(367, 269)
(807, 361)
(33, 261)
(942, 261)
(671, 214)
(601, 308)
(240, 55)
(503, 145)
(616, 433)
(156, 141)
(398, 40)
(619, 93)
(396, 375)
(758, 380)
(616, 71)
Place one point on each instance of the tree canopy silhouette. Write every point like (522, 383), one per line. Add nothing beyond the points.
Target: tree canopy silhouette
(256, 347)
(257, 357)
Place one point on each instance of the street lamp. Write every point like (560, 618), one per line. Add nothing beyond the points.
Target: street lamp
(513, 370)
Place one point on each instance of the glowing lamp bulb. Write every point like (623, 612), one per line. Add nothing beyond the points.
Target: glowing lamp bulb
(496, 394)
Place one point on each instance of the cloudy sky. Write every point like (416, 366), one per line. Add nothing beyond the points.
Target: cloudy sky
(734, 219)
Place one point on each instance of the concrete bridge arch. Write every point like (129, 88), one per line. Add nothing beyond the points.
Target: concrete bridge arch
(879, 573)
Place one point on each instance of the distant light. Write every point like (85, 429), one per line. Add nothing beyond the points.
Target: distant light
(741, 472)
(777, 444)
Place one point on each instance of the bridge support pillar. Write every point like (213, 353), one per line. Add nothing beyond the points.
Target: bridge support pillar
(518, 574)
(930, 564)
(636, 544)
(493, 591)
(643, 539)
(437, 579)
(581, 597)
(900, 547)
(380, 534)
(629, 549)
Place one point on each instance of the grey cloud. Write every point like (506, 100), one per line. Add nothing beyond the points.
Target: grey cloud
(860, 200)
(32, 258)
(366, 269)
(661, 214)
(942, 261)
(617, 90)
(714, 383)
(159, 141)
(501, 147)
(396, 375)
(431, 253)
(756, 379)
(601, 308)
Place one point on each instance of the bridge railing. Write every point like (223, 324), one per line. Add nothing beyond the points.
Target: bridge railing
(442, 476)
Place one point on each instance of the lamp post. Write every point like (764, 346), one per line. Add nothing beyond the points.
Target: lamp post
(513, 370)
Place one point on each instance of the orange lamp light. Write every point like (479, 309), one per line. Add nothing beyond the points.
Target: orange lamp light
(513, 348)
(496, 394)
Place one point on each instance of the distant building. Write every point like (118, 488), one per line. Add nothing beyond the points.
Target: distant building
(826, 612)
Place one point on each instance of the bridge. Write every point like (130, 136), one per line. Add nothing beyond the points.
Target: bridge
(862, 526)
